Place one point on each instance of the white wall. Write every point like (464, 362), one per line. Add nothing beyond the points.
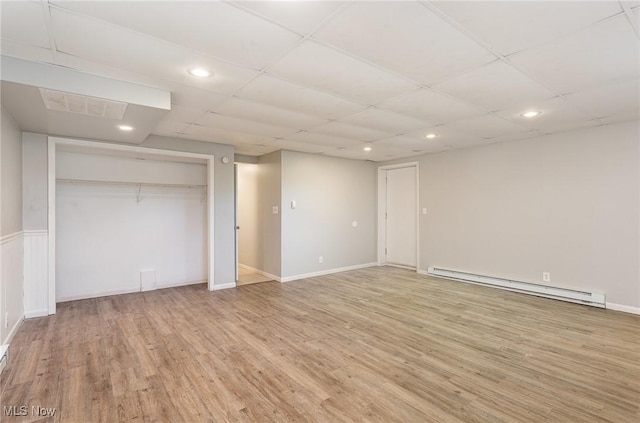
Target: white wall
(107, 233)
(567, 204)
(249, 235)
(330, 194)
(105, 238)
(11, 236)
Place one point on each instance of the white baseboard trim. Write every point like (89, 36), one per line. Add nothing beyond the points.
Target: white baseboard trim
(261, 272)
(174, 285)
(224, 286)
(623, 308)
(423, 272)
(36, 313)
(14, 330)
(327, 272)
(4, 356)
(97, 295)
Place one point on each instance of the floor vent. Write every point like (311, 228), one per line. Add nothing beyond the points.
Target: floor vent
(592, 298)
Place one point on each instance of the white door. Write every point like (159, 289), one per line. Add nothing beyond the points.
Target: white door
(401, 225)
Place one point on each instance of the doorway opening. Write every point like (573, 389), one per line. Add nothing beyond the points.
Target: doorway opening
(249, 257)
(398, 226)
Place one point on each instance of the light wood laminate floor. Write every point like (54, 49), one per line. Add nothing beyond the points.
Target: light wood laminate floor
(248, 277)
(372, 345)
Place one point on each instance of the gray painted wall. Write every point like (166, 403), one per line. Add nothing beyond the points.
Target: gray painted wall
(11, 176)
(270, 195)
(34, 181)
(567, 204)
(12, 247)
(330, 194)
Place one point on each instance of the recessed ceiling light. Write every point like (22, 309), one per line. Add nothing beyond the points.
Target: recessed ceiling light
(199, 72)
(530, 114)
(430, 136)
(126, 128)
(367, 148)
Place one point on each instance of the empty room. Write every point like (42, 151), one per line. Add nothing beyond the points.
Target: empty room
(320, 211)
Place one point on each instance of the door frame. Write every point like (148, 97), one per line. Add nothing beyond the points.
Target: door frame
(80, 145)
(382, 202)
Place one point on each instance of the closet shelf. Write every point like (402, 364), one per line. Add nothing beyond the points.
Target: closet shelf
(144, 184)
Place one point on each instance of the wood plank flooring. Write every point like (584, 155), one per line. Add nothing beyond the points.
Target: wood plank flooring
(248, 277)
(373, 345)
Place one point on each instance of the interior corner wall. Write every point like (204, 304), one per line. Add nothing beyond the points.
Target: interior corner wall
(567, 204)
(334, 215)
(11, 235)
(250, 232)
(270, 201)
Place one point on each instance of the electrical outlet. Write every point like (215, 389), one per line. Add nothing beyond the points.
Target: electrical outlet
(320, 259)
(546, 277)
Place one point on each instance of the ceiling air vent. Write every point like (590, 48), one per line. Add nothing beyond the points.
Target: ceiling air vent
(83, 105)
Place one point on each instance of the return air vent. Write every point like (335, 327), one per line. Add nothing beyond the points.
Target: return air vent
(83, 105)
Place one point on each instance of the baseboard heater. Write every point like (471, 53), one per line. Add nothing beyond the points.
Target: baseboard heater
(592, 298)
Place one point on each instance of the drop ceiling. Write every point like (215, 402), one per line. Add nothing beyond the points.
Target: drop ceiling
(330, 77)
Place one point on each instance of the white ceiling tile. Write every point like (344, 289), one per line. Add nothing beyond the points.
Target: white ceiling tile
(602, 53)
(329, 70)
(269, 90)
(494, 86)
(382, 120)
(448, 137)
(413, 144)
(511, 26)
(378, 153)
(184, 114)
(169, 128)
(149, 56)
(254, 149)
(486, 126)
(431, 106)
(513, 137)
(404, 37)
(618, 99)
(228, 123)
(213, 28)
(323, 139)
(223, 136)
(268, 114)
(284, 144)
(184, 95)
(556, 114)
(23, 22)
(351, 131)
(108, 71)
(300, 16)
(26, 52)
